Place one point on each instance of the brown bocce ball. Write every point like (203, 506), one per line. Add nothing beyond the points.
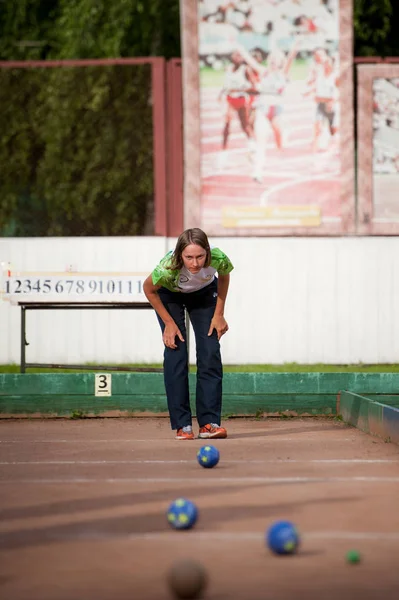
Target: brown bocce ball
(187, 579)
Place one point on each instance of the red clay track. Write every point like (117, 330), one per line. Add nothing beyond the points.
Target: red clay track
(83, 510)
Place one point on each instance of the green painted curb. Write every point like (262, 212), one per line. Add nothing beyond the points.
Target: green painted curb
(66, 394)
(370, 416)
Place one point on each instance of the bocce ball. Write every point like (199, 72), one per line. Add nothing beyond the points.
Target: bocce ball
(187, 579)
(353, 557)
(208, 456)
(283, 538)
(182, 514)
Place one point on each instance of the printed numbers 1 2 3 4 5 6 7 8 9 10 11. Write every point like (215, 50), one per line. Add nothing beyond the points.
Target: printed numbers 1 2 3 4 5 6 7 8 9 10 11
(74, 285)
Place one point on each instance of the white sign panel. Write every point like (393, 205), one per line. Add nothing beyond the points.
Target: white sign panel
(71, 286)
(102, 385)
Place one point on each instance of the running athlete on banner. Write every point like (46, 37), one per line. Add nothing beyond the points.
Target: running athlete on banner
(323, 85)
(239, 80)
(267, 107)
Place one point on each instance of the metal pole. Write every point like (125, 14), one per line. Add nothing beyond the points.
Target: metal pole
(23, 324)
(159, 145)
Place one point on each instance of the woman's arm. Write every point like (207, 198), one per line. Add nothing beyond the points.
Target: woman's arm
(291, 56)
(219, 322)
(171, 329)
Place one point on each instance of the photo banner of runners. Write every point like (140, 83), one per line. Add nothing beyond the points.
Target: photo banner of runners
(270, 115)
(386, 150)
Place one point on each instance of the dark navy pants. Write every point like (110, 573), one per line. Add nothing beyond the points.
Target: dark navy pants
(200, 306)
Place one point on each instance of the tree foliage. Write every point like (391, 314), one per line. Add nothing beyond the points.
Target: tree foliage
(27, 29)
(76, 143)
(76, 151)
(88, 28)
(373, 25)
(33, 29)
(60, 29)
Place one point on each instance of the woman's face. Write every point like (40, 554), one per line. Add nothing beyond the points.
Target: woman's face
(194, 257)
(237, 59)
(257, 56)
(275, 61)
(319, 56)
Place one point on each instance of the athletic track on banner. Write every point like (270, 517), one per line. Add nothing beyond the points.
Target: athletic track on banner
(293, 176)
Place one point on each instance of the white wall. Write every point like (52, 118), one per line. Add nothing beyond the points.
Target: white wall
(299, 300)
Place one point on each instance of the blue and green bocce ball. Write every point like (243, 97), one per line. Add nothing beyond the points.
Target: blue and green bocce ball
(182, 514)
(208, 456)
(283, 538)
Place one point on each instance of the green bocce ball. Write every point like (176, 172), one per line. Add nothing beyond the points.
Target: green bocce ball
(353, 557)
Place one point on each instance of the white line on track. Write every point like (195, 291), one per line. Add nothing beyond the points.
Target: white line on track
(353, 535)
(306, 158)
(218, 126)
(204, 480)
(82, 441)
(258, 536)
(239, 536)
(331, 461)
(299, 141)
(281, 186)
(210, 108)
(242, 183)
(251, 437)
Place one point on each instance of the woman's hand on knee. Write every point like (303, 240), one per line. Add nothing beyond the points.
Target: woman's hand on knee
(170, 333)
(220, 324)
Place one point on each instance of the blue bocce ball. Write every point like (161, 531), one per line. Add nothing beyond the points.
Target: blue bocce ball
(283, 538)
(208, 456)
(182, 514)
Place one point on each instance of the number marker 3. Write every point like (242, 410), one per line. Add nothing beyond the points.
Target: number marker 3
(102, 385)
